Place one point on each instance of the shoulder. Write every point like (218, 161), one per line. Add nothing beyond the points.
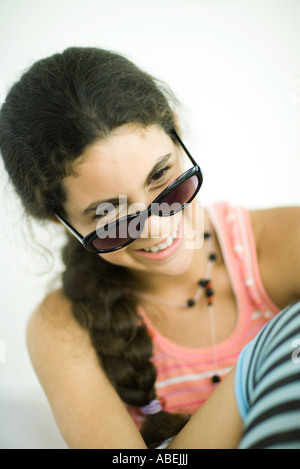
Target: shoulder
(275, 221)
(277, 238)
(53, 318)
(54, 336)
(83, 401)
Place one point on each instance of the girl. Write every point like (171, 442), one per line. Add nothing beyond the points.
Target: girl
(159, 296)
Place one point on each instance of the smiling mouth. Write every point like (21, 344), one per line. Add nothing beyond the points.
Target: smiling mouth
(164, 244)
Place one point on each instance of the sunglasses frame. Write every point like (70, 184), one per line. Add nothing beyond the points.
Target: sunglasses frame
(87, 240)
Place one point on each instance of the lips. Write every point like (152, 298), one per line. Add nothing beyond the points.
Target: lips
(164, 244)
(164, 249)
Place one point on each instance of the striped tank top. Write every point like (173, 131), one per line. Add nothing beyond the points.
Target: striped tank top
(184, 374)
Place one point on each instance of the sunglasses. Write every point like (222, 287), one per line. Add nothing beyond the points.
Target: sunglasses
(123, 231)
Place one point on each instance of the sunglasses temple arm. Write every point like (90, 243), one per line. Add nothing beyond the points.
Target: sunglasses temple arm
(69, 227)
(184, 147)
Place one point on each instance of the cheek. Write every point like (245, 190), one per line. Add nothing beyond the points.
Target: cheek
(111, 257)
(123, 258)
(117, 258)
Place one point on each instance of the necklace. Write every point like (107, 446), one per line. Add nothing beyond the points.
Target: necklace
(203, 285)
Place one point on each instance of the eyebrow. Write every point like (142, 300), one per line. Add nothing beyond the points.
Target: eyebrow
(115, 200)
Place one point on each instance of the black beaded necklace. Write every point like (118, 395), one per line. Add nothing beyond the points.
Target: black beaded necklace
(204, 285)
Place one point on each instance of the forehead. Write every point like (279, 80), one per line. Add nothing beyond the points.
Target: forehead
(116, 165)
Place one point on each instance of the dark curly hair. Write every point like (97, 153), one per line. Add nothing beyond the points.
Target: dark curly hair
(59, 106)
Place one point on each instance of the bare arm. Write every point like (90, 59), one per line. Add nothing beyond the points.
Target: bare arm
(277, 237)
(87, 409)
(216, 425)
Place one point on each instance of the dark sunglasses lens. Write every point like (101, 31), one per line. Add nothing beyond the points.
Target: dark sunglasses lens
(118, 234)
(179, 196)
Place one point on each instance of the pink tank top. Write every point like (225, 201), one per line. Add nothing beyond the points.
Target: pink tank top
(184, 374)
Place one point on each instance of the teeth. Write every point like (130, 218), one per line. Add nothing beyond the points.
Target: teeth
(162, 246)
(170, 240)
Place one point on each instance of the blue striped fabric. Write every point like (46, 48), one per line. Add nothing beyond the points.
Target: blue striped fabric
(267, 384)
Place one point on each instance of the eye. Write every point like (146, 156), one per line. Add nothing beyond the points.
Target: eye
(160, 174)
(108, 212)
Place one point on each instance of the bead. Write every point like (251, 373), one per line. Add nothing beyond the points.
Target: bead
(212, 256)
(206, 235)
(190, 302)
(203, 282)
(216, 379)
(209, 292)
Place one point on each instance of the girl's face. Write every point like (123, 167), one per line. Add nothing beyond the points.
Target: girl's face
(132, 166)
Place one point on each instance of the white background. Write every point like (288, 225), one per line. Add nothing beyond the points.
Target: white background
(235, 67)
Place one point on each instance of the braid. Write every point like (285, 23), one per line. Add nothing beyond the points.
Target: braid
(96, 289)
(60, 105)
